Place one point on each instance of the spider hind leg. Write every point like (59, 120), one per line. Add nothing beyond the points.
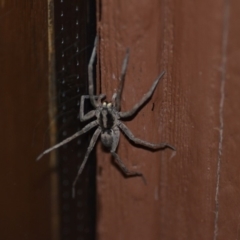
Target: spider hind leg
(91, 146)
(125, 170)
(143, 143)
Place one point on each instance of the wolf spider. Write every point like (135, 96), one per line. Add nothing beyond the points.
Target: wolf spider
(108, 122)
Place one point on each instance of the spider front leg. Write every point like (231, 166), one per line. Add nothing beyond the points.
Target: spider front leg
(143, 143)
(91, 114)
(91, 146)
(118, 160)
(117, 96)
(90, 75)
(145, 98)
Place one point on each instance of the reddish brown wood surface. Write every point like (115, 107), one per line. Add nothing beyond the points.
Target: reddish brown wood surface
(229, 184)
(193, 194)
(25, 185)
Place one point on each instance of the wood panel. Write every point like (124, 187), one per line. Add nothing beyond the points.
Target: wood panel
(25, 185)
(228, 222)
(192, 193)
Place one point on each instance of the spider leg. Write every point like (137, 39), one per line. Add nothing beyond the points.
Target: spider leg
(90, 75)
(91, 146)
(117, 96)
(145, 98)
(91, 114)
(100, 98)
(87, 116)
(138, 141)
(84, 130)
(124, 169)
(117, 159)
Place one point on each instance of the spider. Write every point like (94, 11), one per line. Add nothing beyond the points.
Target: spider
(108, 122)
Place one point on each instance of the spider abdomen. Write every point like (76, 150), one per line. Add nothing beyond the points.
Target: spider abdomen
(107, 138)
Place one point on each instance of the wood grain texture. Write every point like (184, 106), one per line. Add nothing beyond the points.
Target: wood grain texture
(25, 184)
(194, 193)
(228, 226)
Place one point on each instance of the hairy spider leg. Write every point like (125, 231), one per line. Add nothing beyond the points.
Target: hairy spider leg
(90, 75)
(141, 142)
(117, 96)
(87, 116)
(89, 149)
(118, 160)
(145, 98)
(91, 114)
(75, 135)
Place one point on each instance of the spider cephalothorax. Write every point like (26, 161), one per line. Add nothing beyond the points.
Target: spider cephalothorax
(108, 120)
(107, 116)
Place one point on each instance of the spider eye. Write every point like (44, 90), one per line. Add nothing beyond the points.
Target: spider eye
(109, 105)
(104, 104)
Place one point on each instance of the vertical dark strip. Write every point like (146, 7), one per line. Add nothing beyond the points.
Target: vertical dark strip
(74, 36)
